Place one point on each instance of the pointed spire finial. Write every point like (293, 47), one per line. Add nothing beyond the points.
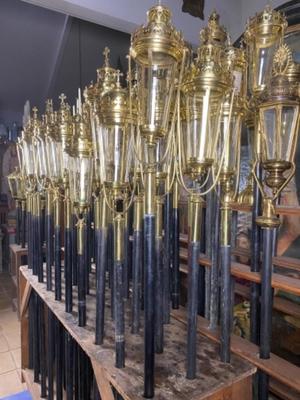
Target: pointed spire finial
(106, 53)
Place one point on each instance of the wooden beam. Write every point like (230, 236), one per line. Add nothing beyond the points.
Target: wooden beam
(276, 367)
(25, 299)
(103, 384)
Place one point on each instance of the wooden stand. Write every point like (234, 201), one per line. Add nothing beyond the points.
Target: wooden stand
(216, 381)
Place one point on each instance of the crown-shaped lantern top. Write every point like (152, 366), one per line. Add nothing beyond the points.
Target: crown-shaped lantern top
(214, 33)
(267, 25)
(159, 37)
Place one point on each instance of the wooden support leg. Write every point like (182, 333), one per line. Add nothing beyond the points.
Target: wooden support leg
(102, 382)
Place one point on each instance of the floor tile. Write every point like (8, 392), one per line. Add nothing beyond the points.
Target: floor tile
(16, 355)
(3, 344)
(13, 339)
(10, 383)
(6, 363)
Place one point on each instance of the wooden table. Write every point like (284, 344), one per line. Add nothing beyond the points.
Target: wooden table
(215, 381)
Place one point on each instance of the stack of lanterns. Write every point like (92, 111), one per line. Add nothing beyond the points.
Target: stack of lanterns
(123, 153)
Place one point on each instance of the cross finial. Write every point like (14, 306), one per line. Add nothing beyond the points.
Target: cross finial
(62, 98)
(106, 53)
(118, 75)
(35, 111)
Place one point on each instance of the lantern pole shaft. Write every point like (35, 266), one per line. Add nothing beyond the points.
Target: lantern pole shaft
(51, 353)
(225, 262)
(255, 261)
(149, 282)
(137, 263)
(49, 239)
(195, 209)
(266, 306)
(39, 242)
(23, 224)
(57, 249)
(175, 248)
(18, 224)
(167, 256)
(101, 264)
(81, 231)
(68, 262)
(119, 290)
(159, 275)
(34, 236)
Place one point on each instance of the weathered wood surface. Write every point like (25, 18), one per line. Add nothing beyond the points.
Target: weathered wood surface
(170, 366)
(276, 367)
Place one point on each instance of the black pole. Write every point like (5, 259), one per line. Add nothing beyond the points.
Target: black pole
(36, 352)
(119, 290)
(74, 251)
(39, 241)
(214, 253)
(159, 280)
(126, 257)
(175, 248)
(57, 250)
(58, 360)
(101, 235)
(23, 224)
(193, 280)
(81, 273)
(69, 365)
(255, 261)
(167, 256)
(225, 301)
(266, 308)
(49, 240)
(68, 270)
(149, 301)
(42, 348)
(29, 232)
(51, 353)
(18, 221)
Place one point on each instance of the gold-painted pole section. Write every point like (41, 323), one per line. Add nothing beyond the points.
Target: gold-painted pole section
(38, 241)
(175, 247)
(23, 222)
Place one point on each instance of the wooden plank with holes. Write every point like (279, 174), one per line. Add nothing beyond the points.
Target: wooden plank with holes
(278, 368)
(171, 379)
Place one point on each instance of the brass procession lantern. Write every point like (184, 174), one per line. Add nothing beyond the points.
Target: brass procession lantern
(262, 37)
(115, 155)
(156, 48)
(279, 125)
(80, 180)
(205, 87)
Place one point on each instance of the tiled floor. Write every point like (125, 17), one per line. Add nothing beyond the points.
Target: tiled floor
(10, 341)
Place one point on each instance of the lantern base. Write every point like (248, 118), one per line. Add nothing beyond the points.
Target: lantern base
(268, 219)
(275, 170)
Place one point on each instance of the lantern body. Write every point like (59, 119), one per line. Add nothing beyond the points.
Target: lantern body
(28, 156)
(155, 90)
(202, 128)
(81, 176)
(279, 128)
(40, 155)
(115, 154)
(55, 158)
(13, 185)
(263, 35)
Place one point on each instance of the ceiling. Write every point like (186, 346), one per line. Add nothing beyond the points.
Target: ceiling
(35, 37)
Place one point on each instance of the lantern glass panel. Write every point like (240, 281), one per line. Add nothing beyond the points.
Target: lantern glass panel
(55, 159)
(228, 142)
(12, 183)
(155, 89)
(202, 126)
(28, 153)
(42, 168)
(115, 154)
(260, 63)
(279, 127)
(81, 176)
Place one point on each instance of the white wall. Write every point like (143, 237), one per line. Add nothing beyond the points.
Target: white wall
(125, 15)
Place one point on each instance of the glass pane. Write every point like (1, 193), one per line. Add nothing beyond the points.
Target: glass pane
(269, 147)
(288, 116)
(155, 93)
(28, 157)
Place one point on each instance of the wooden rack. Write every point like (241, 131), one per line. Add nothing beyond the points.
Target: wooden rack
(217, 381)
